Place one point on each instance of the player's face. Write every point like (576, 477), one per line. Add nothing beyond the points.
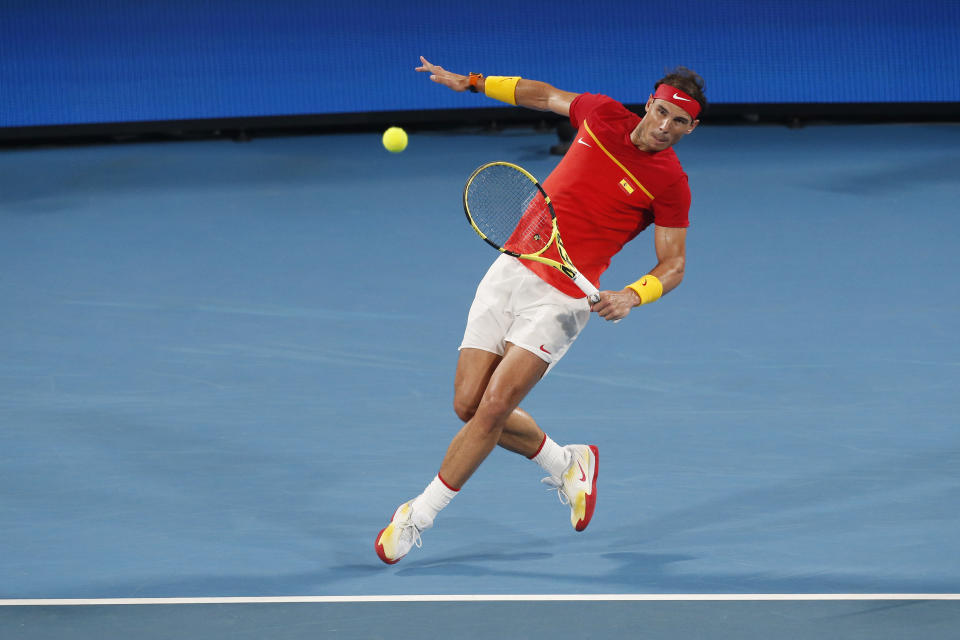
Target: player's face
(662, 126)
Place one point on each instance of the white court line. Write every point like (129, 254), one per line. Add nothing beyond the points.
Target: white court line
(558, 597)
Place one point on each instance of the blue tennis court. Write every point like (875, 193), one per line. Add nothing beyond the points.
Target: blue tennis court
(223, 366)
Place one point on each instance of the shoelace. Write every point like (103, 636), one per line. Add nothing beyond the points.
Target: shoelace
(556, 484)
(405, 527)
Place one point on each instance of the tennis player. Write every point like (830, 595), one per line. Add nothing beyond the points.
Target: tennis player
(619, 176)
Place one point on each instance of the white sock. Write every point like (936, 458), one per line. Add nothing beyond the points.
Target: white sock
(552, 458)
(434, 498)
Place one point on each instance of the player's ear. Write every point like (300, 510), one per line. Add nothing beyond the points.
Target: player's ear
(693, 126)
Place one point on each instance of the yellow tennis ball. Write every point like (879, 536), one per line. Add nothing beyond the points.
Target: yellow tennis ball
(395, 139)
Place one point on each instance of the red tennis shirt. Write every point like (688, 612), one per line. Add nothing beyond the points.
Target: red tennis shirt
(605, 191)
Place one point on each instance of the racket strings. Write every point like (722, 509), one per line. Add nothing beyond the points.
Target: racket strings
(510, 210)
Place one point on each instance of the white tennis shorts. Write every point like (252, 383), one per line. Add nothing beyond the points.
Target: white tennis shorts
(513, 304)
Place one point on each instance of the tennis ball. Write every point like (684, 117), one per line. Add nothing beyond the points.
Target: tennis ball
(395, 139)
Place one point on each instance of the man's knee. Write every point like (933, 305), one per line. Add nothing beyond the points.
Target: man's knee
(491, 410)
(465, 408)
(494, 408)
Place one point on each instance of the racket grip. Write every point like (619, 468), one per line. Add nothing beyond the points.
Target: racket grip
(593, 294)
(587, 287)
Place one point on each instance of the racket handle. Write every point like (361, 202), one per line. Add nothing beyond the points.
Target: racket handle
(593, 294)
(587, 287)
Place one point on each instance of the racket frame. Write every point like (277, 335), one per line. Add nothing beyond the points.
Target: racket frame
(566, 267)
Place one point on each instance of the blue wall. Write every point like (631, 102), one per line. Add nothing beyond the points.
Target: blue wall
(92, 61)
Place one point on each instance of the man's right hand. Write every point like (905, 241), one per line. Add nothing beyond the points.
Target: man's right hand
(440, 75)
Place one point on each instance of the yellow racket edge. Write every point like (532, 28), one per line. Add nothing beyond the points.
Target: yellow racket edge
(566, 267)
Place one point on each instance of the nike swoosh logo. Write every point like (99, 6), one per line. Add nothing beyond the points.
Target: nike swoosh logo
(583, 475)
(580, 140)
(643, 283)
(676, 97)
(544, 350)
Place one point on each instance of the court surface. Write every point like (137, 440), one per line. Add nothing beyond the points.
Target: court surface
(223, 365)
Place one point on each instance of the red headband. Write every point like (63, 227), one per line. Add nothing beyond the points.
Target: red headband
(679, 98)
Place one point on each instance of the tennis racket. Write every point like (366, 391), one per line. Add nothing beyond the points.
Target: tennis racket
(509, 209)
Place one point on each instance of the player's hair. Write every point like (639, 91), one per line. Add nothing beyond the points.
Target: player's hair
(688, 81)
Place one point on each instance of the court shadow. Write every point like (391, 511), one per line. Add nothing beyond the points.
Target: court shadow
(891, 178)
(535, 567)
(473, 564)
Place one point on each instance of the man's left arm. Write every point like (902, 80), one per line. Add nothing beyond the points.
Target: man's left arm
(671, 246)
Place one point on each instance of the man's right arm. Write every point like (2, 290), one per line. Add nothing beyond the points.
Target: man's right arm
(531, 94)
(534, 94)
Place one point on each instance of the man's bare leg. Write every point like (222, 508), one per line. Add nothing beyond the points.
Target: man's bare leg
(520, 434)
(489, 389)
(509, 382)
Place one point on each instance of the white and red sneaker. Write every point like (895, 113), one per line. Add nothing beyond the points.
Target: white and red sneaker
(578, 484)
(396, 539)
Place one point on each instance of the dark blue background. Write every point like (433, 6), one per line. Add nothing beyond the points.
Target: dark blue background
(119, 61)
